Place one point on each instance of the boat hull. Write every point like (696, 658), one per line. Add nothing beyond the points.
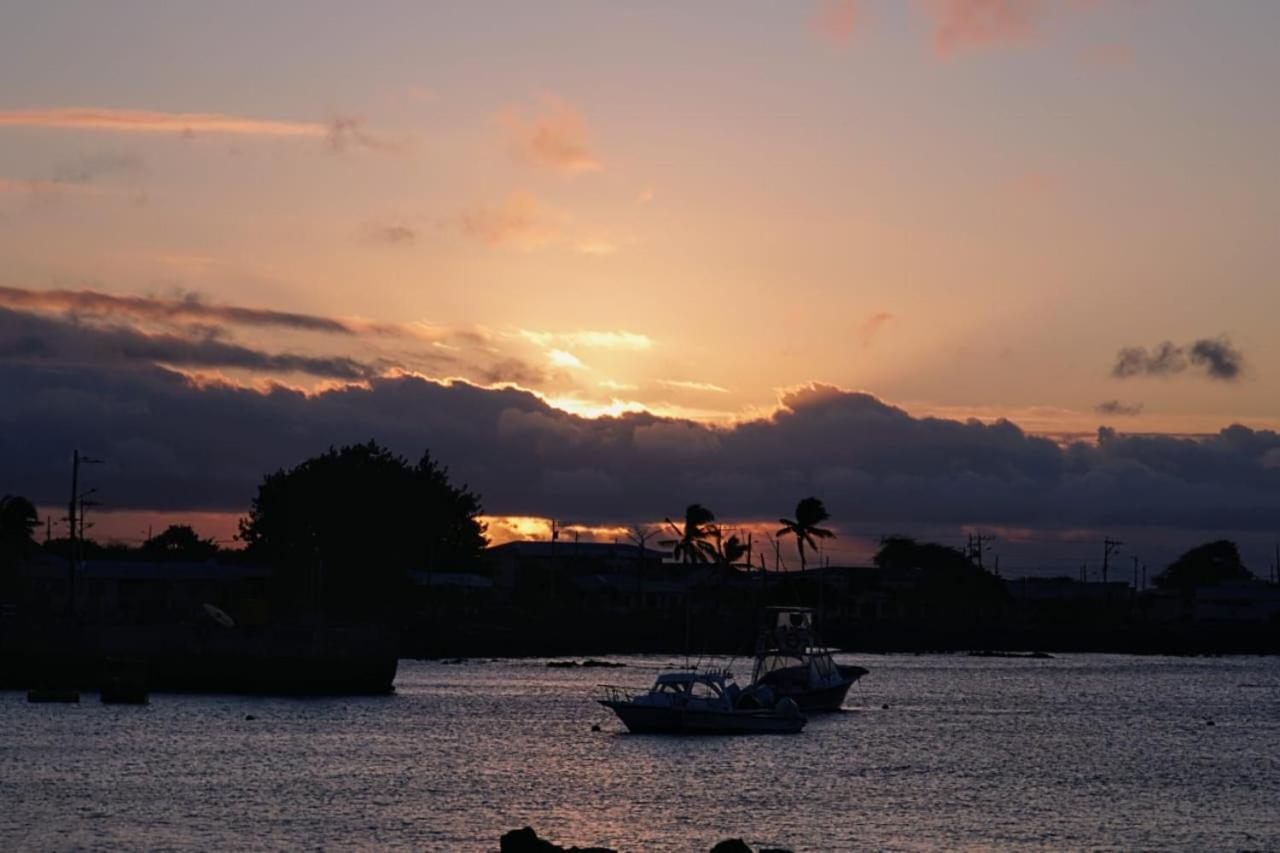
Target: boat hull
(652, 719)
(813, 699)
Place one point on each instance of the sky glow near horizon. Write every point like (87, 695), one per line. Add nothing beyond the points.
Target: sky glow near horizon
(967, 208)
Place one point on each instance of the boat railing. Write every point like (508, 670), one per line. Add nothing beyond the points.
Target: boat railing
(618, 693)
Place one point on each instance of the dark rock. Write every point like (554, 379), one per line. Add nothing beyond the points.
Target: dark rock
(527, 841)
(250, 717)
(731, 845)
(606, 664)
(562, 664)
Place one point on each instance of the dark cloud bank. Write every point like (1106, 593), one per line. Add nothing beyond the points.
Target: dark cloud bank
(173, 445)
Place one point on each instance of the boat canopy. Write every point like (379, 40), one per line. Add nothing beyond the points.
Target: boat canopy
(790, 618)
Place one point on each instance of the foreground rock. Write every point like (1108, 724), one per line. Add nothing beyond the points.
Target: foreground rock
(527, 841)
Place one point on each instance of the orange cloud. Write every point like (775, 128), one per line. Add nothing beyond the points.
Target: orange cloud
(837, 20)
(520, 222)
(151, 121)
(961, 24)
(555, 137)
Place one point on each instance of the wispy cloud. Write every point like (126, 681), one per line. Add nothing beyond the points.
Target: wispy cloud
(347, 133)
(93, 167)
(610, 340)
(36, 187)
(521, 222)
(870, 327)
(837, 20)
(27, 337)
(963, 24)
(688, 385)
(191, 308)
(152, 121)
(597, 247)
(341, 134)
(1216, 357)
(1116, 407)
(561, 358)
(394, 233)
(553, 136)
(188, 308)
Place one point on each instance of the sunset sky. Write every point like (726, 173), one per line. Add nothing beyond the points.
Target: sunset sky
(802, 242)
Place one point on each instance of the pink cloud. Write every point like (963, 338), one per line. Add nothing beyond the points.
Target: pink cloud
(962, 24)
(837, 20)
(555, 137)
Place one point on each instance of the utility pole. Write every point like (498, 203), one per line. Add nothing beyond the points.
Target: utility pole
(977, 544)
(1135, 574)
(1109, 547)
(76, 502)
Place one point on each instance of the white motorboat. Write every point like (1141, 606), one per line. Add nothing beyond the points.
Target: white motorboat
(791, 661)
(702, 702)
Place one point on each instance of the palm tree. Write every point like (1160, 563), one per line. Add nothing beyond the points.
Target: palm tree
(809, 514)
(691, 544)
(728, 551)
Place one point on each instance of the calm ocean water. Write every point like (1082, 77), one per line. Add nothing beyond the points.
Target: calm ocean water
(1082, 751)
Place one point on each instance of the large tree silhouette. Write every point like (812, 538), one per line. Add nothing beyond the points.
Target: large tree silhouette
(1205, 565)
(359, 517)
(810, 512)
(693, 540)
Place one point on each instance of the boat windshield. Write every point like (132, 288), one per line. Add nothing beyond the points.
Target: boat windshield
(768, 663)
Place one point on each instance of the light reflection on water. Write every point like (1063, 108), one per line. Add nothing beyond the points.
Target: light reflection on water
(1081, 751)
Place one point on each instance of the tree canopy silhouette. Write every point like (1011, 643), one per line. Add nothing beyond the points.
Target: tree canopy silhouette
(810, 512)
(363, 516)
(693, 540)
(1205, 565)
(904, 553)
(18, 520)
(179, 542)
